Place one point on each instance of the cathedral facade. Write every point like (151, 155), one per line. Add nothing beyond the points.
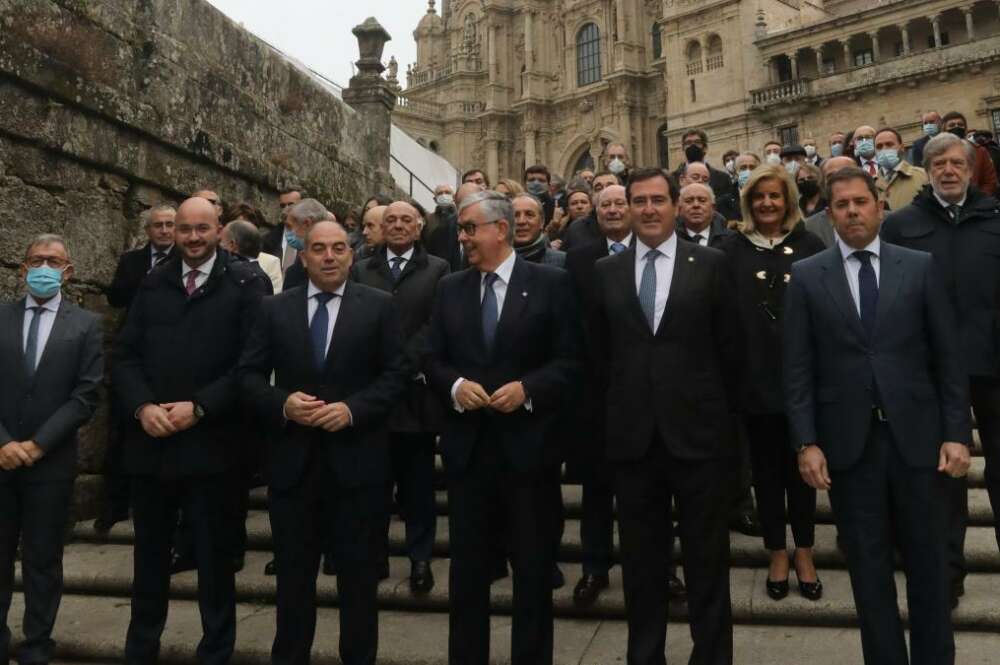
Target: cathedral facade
(501, 84)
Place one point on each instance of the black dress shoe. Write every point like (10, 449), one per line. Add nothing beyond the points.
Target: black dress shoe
(180, 563)
(588, 589)
(811, 590)
(269, 569)
(747, 524)
(421, 577)
(329, 567)
(238, 563)
(777, 590)
(676, 589)
(558, 579)
(104, 523)
(383, 571)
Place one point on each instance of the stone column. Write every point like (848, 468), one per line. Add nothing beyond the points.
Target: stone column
(819, 60)
(875, 52)
(491, 52)
(493, 158)
(905, 29)
(529, 38)
(530, 136)
(370, 95)
(769, 70)
(703, 40)
(626, 128)
(620, 17)
(936, 21)
(793, 58)
(848, 62)
(969, 26)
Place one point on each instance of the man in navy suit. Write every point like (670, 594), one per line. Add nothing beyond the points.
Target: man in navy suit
(51, 364)
(878, 406)
(505, 357)
(337, 356)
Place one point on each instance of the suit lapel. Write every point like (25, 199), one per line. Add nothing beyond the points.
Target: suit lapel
(678, 280)
(890, 281)
(514, 302)
(474, 305)
(626, 286)
(300, 313)
(18, 334)
(58, 330)
(345, 315)
(835, 281)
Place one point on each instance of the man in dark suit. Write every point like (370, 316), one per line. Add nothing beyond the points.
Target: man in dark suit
(174, 372)
(873, 385)
(695, 144)
(51, 363)
(443, 240)
(403, 268)
(586, 230)
(586, 442)
(667, 311)
(931, 125)
(275, 241)
(336, 352)
(133, 266)
(505, 346)
(299, 218)
(697, 220)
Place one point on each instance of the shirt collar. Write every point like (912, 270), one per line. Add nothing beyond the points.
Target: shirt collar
(627, 240)
(205, 268)
(846, 251)
(52, 304)
(313, 290)
(390, 255)
(505, 269)
(153, 250)
(668, 247)
(704, 233)
(946, 205)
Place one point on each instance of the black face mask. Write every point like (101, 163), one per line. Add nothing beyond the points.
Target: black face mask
(958, 131)
(808, 188)
(694, 153)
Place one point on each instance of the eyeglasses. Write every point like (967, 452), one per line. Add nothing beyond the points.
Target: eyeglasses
(53, 262)
(469, 228)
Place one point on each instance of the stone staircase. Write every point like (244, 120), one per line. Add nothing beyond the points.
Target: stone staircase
(95, 610)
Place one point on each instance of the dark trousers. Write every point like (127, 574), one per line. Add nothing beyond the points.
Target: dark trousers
(298, 516)
(235, 508)
(500, 533)
(985, 393)
(36, 514)
(412, 473)
(776, 477)
(645, 523)
(597, 523)
(741, 480)
(878, 495)
(116, 481)
(526, 499)
(155, 504)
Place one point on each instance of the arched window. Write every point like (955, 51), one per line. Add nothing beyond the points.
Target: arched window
(693, 52)
(588, 55)
(714, 58)
(657, 41)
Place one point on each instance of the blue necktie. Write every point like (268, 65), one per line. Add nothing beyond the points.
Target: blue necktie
(31, 346)
(318, 328)
(647, 288)
(491, 312)
(867, 290)
(395, 267)
(617, 248)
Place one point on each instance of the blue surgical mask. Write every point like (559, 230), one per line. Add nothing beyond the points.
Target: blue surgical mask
(865, 148)
(537, 188)
(931, 129)
(742, 177)
(43, 282)
(887, 159)
(836, 149)
(293, 240)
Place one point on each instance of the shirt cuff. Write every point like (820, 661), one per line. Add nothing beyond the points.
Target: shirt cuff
(454, 391)
(527, 405)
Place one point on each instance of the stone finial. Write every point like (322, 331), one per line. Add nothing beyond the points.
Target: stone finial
(760, 28)
(430, 6)
(371, 42)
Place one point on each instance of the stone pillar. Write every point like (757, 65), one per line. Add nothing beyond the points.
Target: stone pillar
(703, 40)
(370, 95)
(769, 70)
(626, 128)
(491, 52)
(529, 38)
(969, 26)
(936, 21)
(620, 17)
(875, 52)
(905, 29)
(493, 158)
(819, 60)
(846, 43)
(530, 156)
(793, 58)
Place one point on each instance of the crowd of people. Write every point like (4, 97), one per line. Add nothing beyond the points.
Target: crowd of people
(669, 340)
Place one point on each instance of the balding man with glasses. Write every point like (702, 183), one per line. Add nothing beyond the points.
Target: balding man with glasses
(505, 357)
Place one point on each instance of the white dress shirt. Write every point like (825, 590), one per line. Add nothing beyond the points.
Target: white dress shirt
(865, 162)
(48, 313)
(703, 234)
(332, 309)
(852, 266)
(947, 206)
(664, 272)
(406, 256)
(626, 241)
(204, 270)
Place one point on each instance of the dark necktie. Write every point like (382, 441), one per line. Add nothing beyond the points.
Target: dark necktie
(955, 211)
(647, 288)
(159, 256)
(697, 238)
(31, 345)
(491, 311)
(867, 290)
(319, 326)
(396, 267)
(617, 248)
(192, 282)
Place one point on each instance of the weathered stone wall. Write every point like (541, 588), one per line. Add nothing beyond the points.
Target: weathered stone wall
(108, 107)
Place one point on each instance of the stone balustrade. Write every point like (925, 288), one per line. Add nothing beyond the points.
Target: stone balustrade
(783, 92)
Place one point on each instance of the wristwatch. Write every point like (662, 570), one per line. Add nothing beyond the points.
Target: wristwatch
(199, 412)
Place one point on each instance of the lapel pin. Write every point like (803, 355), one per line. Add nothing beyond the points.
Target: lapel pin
(788, 278)
(524, 294)
(788, 250)
(690, 259)
(762, 274)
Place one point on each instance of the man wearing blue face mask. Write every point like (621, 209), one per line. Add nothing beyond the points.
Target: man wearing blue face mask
(536, 180)
(898, 181)
(275, 241)
(298, 219)
(52, 365)
(864, 149)
(931, 125)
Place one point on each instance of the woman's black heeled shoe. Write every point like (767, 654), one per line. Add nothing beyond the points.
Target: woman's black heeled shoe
(811, 590)
(777, 590)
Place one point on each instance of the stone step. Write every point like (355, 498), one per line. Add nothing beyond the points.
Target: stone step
(980, 544)
(93, 629)
(106, 570)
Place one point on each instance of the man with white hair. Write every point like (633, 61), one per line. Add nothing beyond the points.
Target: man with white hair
(697, 220)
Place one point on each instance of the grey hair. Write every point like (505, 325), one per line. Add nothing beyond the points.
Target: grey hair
(308, 210)
(711, 192)
(246, 237)
(146, 216)
(44, 240)
(944, 142)
(495, 206)
(532, 198)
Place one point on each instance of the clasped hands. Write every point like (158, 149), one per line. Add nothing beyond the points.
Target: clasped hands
(313, 412)
(953, 460)
(15, 454)
(506, 399)
(163, 420)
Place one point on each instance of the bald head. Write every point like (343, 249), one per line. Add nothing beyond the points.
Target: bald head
(834, 164)
(695, 172)
(697, 206)
(616, 191)
(401, 225)
(465, 190)
(195, 208)
(371, 226)
(196, 231)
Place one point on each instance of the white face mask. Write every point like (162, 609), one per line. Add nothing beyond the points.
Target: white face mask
(616, 166)
(731, 166)
(810, 151)
(773, 158)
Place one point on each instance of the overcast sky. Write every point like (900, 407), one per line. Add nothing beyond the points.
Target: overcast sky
(318, 32)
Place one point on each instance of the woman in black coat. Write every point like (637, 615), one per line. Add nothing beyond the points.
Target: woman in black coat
(770, 239)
